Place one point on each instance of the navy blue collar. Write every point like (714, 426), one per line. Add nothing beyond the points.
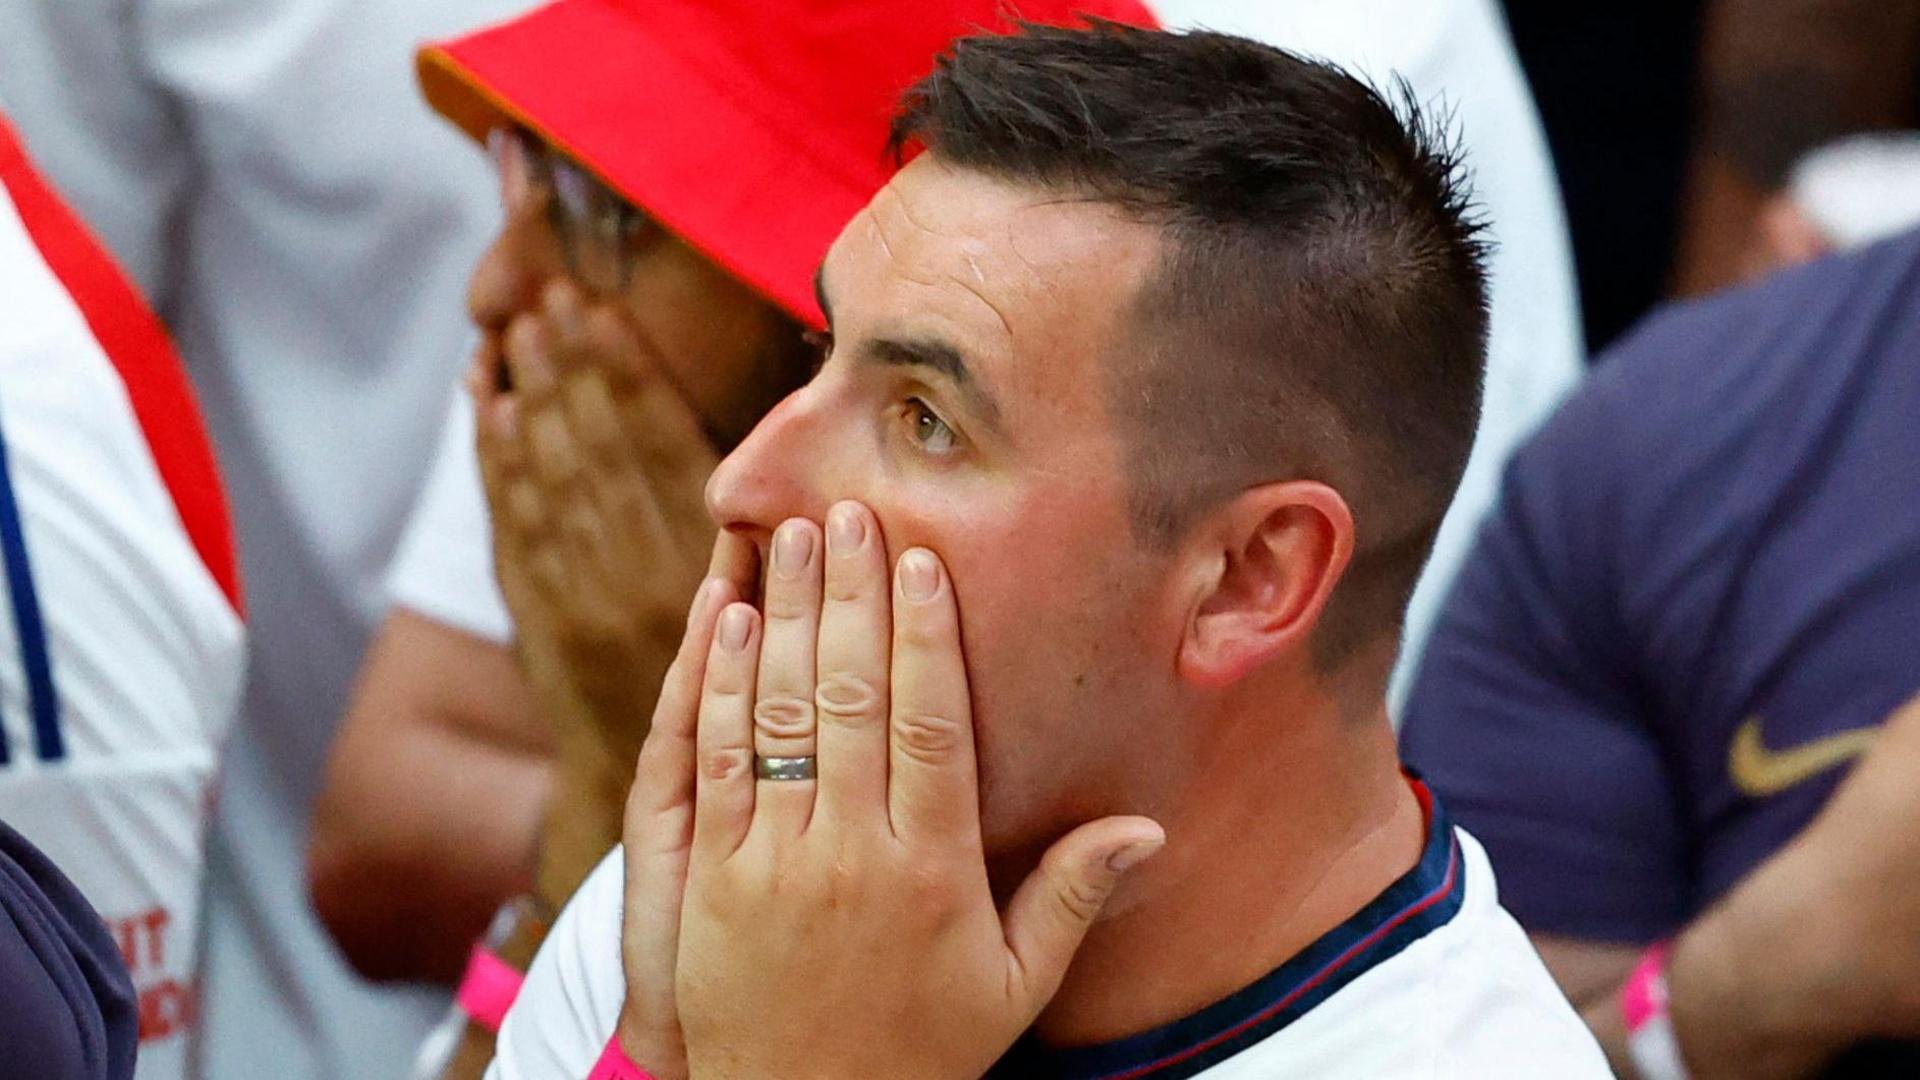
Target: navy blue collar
(1422, 900)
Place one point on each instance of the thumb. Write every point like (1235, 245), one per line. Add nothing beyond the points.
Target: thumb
(1051, 912)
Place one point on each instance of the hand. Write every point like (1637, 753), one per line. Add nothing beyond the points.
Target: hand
(843, 927)
(594, 469)
(658, 830)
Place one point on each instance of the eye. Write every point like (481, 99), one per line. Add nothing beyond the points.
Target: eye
(927, 429)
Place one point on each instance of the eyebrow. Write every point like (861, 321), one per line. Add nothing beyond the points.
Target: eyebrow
(921, 352)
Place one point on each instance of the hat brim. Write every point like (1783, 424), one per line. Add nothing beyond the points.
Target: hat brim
(655, 130)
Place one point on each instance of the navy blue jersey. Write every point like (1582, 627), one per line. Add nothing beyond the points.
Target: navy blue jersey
(1699, 596)
(67, 1008)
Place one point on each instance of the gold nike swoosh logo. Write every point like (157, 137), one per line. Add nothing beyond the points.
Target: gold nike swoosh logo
(1760, 772)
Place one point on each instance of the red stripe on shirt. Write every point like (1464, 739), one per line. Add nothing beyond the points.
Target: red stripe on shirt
(137, 344)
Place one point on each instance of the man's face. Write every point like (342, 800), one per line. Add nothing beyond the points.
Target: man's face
(974, 325)
(718, 342)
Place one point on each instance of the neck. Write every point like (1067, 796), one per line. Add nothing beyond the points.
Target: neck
(1302, 818)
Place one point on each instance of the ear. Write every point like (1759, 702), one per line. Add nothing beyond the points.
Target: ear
(1276, 553)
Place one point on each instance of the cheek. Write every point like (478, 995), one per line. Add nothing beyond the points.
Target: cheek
(707, 331)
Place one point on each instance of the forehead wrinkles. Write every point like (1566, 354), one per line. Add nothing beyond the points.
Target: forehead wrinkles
(925, 253)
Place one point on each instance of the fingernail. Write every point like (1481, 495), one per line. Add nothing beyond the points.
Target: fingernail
(792, 549)
(735, 622)
(1133, 855)
(919, 575)
(845, 528)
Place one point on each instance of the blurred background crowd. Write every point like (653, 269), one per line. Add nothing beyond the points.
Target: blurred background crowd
(1664, 662)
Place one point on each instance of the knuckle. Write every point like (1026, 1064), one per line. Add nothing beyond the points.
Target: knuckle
(727, 683)
(921, 632)
(1080, 898)
(724, 762)
(926, 737)
(852, 700)
(786, 605)
(845, 585)
(783, 716)
(525, 506)
(931, 884)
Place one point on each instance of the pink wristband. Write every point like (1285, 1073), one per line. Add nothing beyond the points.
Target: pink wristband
(615, 1065)
(488, 988)
(1645, 995)
(1643, 1006)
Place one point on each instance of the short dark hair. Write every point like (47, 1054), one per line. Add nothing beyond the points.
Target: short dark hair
(1320, 310)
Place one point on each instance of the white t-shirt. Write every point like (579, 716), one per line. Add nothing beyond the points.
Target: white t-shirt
(121, 646)
(1431, 980)
(1453, 51)
(267, 171)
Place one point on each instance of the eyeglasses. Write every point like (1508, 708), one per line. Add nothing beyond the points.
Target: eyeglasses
(599, 231)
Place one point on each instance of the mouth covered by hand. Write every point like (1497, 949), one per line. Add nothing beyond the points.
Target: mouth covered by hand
(807, 890)
(595, 469)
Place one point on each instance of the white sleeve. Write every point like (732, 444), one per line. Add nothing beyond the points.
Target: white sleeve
(571, 1000)
(1535, 351)
(444, 566)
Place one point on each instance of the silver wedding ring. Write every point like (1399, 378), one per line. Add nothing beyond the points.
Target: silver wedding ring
(783, 768)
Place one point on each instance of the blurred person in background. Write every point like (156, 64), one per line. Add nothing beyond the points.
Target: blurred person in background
(121, 641)
(416, 712)
(1677, 126)
(1693, 611)
(303, 225)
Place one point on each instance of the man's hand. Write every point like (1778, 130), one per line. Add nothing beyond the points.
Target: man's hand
(841, 926)
(594, 469)
(659, 827)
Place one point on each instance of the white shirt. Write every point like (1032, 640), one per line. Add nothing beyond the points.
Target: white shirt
(1433, 980)
(113, 706)
(267, 171)
(1451, 51)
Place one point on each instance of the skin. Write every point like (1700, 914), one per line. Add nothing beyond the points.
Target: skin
(449, 737)
(1105, 677)
(1809, 955)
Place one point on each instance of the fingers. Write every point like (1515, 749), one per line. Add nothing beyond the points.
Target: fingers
(783, 710)
(723, 788)
(663, 778)
(933, 785)
(735, 559)
(852, 692)
(1052, 910)
(659, 816)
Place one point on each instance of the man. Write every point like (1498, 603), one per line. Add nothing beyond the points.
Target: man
(121, 641)
(264, 172)
(1122, 365)
(389, 843)
(680, 324)
(1694, 608)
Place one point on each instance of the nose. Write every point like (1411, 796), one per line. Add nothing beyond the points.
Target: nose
(784, 468)
(510, 274)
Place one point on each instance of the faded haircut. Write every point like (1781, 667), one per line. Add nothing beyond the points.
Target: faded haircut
(1319, 311)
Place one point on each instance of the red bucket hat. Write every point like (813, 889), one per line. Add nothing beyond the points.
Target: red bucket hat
(753, 129)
